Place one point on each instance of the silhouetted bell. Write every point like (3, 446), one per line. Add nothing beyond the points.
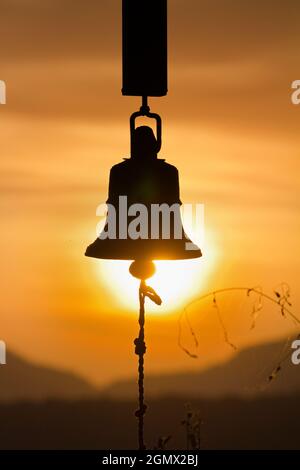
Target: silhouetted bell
(143, 179)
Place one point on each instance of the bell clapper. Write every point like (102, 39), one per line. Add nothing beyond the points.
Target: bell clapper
(142, 270)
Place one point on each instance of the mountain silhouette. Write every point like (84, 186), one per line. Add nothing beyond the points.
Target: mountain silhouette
(244, 375)
(22, 380)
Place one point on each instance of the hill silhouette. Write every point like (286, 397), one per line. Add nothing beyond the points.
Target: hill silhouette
(233, 413)
(22, 380)
(245, 375)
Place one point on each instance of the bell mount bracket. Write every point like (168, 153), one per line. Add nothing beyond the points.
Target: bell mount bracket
(145, 111)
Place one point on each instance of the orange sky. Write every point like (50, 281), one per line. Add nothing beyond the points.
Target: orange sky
(229, 127)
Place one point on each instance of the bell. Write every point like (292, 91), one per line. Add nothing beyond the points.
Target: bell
(143, 219)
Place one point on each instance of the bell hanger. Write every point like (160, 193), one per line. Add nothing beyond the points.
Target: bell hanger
(145, 111)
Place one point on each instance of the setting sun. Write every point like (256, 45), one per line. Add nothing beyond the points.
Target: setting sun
(175, 281)
(150, 205)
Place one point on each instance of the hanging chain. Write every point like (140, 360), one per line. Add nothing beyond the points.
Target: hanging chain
(140, 350)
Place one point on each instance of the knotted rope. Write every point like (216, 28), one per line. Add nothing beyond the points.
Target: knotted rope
(140, 350)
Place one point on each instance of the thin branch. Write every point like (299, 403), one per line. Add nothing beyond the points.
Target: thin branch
(278, 368)
(256, 308)
(248, 290)
(282, 299)
(179, 341)
(226, 337)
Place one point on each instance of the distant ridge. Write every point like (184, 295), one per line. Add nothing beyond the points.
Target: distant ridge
(22, 380)
(245, 375)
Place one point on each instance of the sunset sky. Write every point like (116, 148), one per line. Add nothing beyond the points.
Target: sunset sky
(229, 127)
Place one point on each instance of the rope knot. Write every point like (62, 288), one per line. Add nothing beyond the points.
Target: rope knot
(141, 411)
(140, 346)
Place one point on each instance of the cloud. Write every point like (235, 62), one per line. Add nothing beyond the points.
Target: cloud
(230, 128)
(199, 31)
(231, 62)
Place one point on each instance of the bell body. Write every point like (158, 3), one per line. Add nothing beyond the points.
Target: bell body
(150, 182)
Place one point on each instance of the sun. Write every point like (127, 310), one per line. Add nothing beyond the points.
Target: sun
(175, 281)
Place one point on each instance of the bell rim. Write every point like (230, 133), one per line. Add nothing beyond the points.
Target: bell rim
(100, 249)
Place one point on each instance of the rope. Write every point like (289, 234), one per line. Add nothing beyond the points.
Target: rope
(140, 350)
